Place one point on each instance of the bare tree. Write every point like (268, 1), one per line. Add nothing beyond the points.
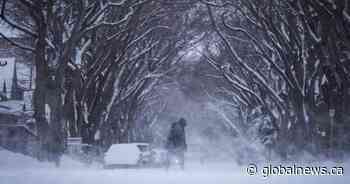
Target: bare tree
(280, 52)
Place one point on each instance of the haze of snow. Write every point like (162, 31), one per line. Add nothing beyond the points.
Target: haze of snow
(19, 169)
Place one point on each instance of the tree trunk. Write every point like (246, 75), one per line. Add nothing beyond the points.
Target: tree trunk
(40, 92)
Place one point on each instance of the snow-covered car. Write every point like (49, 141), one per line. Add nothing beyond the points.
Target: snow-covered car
(130, 155)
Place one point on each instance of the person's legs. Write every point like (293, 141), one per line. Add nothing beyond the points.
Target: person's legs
(57, 160)
(167, 160)
(181, 157)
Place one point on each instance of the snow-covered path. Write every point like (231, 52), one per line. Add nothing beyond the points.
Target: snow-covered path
(92, 176)
(16, 169)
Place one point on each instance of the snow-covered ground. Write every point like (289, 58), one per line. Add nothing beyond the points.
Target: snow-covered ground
(19, 169)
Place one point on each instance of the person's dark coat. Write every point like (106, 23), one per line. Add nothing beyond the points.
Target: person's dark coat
(177, 140)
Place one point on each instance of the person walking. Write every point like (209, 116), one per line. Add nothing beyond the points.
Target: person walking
(176, 143)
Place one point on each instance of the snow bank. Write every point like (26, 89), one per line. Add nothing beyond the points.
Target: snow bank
(9, 160)
(16, 161)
